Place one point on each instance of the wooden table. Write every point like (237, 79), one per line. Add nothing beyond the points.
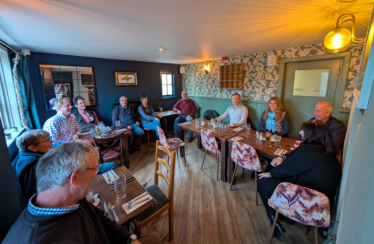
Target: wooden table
(133, 189)
(262, 149)
(191, 127)
(164, 116)
(126, 134)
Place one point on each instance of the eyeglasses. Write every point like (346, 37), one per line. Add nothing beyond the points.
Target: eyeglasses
(48, 140)
(97, 169)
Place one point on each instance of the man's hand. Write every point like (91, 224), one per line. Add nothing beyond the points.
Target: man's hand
(75, 137)
(188, 117)
(264, 175)
(179, 112)
(232, 125)
(277, 161)
(137, 123)
(213, 120)
(129, 127)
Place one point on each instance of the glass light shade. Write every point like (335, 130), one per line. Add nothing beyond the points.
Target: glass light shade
(337, 40)
(206, 68)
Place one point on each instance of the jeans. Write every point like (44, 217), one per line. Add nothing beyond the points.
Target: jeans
(136, 134)
(180, 119)
(106, 167)
(152, 125)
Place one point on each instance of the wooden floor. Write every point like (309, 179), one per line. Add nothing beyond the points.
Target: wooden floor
(205, 210)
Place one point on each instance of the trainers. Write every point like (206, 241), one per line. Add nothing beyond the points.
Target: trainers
(189, 139)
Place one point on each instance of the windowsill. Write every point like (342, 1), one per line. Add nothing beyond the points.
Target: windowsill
(14, 136)
(168, 97)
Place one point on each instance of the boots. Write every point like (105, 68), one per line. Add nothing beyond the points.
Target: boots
(279, 230)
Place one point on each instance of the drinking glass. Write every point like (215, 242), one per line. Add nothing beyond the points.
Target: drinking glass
(197, 123)
(226, 130)
(202, 122)
(267, 139)
(249, 129)
(117, 123)
(93, 132)
(120, 187)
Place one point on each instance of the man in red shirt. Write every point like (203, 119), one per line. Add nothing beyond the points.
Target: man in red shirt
(186, 109)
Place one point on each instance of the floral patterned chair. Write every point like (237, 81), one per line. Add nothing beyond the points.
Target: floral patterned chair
(172, 143)
(246, 157)
(301, 204)
(209, 142)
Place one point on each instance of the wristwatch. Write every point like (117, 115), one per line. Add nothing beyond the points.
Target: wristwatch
(132, 238)
(269, 175)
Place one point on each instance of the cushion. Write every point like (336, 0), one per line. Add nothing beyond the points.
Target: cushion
(175, 143)
(161, 199)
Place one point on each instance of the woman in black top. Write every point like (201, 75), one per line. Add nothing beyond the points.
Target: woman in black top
(313, 165)
(274, 119)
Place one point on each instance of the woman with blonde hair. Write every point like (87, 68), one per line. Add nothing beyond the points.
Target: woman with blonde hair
(274, 119)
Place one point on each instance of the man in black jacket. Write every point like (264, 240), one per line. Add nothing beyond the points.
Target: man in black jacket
(59, 212)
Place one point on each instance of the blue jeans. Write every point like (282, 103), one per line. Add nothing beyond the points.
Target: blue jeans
(137, 134)
(106, 167)
(180, 119)
(152, 125)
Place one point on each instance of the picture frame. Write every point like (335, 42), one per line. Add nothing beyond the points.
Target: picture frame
(87, 80)
(126, 78)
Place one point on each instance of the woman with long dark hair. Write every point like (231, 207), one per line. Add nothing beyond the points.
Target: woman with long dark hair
(275, 119)
(313, 165)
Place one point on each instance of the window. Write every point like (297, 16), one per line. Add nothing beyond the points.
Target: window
(167, 84)
(9, 112)
(311, 83)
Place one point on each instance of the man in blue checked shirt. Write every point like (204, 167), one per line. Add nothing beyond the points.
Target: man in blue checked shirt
(59, 212)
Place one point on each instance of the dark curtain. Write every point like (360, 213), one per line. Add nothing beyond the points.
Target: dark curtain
(28, 99)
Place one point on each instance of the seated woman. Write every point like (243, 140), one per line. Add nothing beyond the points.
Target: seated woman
(274, 119)
(148, 117)
(313, 165)
(86, 118)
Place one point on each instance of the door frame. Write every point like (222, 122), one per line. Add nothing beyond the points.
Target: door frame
(342, 80)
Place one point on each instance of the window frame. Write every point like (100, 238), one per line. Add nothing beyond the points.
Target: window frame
(173, 84)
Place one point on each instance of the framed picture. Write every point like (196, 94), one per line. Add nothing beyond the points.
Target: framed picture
(87, 80)
(126, 79)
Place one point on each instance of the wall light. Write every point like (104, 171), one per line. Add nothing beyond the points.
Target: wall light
(206, 68)
(339, 39)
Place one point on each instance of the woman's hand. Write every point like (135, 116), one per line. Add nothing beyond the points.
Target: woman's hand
(276, 161)
(157, 119)
(264, 175)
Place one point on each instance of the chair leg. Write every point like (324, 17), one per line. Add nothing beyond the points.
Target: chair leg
(171, 224)
(307, 230)
(273, 227)
(203, 160)
(217, 165)
(184, 152)
(243, 173)
(316, 235)
(256, 188)
(233, 176)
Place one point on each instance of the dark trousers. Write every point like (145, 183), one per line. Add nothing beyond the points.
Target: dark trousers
(265, 188)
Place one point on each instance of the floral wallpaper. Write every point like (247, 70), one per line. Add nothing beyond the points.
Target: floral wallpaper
(260, 80)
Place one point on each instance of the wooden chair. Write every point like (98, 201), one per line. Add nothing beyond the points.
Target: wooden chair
(164, 201)
(110, 148)
(209, 142)
(246, 157)
(301, 204)
(173, 143)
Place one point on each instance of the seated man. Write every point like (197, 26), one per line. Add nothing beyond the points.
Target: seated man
(323, 111)
(59, 212)
(86, 118)
(186, 109)
(62, 127)
(130, 121)
(238, 112)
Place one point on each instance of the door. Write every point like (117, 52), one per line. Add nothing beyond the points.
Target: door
(305, 84)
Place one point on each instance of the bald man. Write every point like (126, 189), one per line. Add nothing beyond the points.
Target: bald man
(323, 111)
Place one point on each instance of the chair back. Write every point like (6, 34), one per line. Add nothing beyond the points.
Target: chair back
(110, 146)
(162, 137)
(301, 204)
(209, 141)
(245, 156)
(169, 167)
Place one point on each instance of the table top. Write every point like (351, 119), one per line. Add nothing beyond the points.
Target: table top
(165, 113)
(103, 135)
(133, 189)
(261, 147)
(191, 126)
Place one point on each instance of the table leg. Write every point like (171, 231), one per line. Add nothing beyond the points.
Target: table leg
(199, 145)
(223, 160)
(165, 124)
(181, 136)
(126, 148)
(231, 164)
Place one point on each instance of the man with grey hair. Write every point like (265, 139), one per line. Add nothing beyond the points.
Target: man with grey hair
(59, 212)
(323, 111)
(186, 109)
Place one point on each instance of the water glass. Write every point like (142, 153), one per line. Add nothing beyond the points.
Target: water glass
(120, 188)
(197, 123)
(117, 123)
(93, 132)
(202, 122)
(249, 129)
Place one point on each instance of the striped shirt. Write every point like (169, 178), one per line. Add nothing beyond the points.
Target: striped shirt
(60, 128)
(49, 211)
(237, 115)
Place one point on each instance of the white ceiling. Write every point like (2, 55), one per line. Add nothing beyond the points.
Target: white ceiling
(190, 30)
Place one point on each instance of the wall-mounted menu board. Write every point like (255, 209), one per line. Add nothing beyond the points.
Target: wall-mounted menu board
(232, 76)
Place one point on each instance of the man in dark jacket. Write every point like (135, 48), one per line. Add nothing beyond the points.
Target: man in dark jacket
(60, 213)
(130, 121)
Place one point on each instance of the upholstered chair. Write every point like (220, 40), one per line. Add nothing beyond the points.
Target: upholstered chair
(209, 142)
(172, 143)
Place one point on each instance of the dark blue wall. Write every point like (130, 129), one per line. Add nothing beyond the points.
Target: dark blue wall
(107, 92)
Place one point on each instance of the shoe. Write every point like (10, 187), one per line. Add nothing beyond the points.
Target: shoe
(189, 139)
(145, 184)
(279, 230)
(285, 219)
(131, 150)
(137, 148)
(253, 175)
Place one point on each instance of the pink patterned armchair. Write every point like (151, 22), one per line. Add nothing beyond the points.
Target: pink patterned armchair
(209, 142)
(301, 204)
(173, 143)
(246, 157)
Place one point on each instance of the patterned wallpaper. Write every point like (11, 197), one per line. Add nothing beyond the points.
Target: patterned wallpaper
(260, 80)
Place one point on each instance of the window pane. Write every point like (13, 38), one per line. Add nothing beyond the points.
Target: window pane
(164, 90)
(169, 79)
(170, 90)
(311, 83)
(164, 79)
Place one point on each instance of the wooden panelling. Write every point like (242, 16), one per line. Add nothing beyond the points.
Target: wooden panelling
(255, 109)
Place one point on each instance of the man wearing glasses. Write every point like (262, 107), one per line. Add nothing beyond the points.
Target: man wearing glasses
(59, 212)
(32, 145)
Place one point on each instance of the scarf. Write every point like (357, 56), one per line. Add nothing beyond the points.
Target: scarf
(270, 123)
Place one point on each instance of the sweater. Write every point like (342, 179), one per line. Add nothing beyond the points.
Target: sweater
(87, 224)
(187, 107)
(83, 125)
(237, 115)
(282, 128)
(146, 113)
(126, 116)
